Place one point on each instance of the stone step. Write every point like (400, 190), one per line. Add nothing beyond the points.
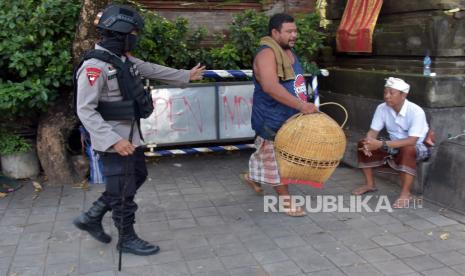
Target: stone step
(440, 66)
(442, 91)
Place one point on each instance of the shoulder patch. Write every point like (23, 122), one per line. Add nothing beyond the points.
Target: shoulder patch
(92, 74)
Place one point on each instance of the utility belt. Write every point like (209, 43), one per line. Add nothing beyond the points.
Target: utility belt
(115, 154)
(107, 153)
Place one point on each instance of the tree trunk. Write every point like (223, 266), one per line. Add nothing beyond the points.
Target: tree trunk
(57, 124)
(86, 33)
(52, 136)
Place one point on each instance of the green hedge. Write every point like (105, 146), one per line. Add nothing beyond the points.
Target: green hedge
(12, 143)
(35, 52)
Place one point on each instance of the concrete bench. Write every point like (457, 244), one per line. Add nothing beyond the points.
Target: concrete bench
(445, 182)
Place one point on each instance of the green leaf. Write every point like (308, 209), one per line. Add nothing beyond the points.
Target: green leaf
(23, 72)
(44, 96)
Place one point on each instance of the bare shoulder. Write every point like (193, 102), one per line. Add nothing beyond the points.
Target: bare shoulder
(265, 59)
(265, 55)
(265, 65)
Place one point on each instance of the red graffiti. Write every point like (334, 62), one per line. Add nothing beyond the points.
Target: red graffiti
(235, 112)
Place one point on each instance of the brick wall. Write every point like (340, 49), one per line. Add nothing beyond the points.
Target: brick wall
(300, 6)
(288, 6)
(214, 21)
(215, 15)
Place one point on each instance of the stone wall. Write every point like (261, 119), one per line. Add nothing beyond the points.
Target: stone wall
(405, 32)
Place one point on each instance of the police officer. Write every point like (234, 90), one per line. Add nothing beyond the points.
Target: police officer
(117, 140)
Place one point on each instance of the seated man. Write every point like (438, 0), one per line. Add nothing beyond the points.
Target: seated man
(407, 127)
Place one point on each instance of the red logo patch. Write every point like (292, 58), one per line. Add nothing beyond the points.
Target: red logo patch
(300, 87)
(92, 74)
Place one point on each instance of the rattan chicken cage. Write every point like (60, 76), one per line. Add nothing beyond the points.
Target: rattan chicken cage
(309, 147)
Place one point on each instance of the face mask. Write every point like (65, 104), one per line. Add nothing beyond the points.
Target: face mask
(131, 42)
(113, 44)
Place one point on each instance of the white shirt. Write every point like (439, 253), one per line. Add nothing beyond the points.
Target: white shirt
(410, 121)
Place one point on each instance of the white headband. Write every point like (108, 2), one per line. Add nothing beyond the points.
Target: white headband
(398, 84)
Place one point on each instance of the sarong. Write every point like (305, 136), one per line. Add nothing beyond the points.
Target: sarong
(263, 167)
(402, 159)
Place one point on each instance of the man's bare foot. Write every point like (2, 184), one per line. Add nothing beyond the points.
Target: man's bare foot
(254, 185)
(363, 190)
(292, 211)
(402, 202)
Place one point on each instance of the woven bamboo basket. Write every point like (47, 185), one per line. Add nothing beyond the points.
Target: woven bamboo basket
(310, 147)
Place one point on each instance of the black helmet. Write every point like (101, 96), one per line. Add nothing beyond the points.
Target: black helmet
(121, 19)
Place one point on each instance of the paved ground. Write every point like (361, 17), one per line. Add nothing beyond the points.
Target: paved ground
(207, 222)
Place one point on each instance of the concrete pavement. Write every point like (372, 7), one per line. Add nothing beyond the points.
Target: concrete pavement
(207, 222)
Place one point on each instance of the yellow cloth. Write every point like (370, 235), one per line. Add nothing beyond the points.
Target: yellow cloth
(285, 70)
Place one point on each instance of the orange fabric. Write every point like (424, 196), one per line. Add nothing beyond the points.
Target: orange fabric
(358, 22)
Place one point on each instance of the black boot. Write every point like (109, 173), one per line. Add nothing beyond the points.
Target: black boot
(91, 221)
(131, 243)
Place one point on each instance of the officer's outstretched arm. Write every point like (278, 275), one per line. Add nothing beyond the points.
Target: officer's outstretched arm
(161, 73)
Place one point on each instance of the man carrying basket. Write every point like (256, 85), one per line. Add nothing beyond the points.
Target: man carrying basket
(280, 92)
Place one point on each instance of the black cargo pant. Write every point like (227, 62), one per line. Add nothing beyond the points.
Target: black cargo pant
(119, 170)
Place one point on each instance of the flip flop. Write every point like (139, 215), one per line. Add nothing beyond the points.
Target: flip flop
(363, 190)
(8, 185)
(254, 185)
